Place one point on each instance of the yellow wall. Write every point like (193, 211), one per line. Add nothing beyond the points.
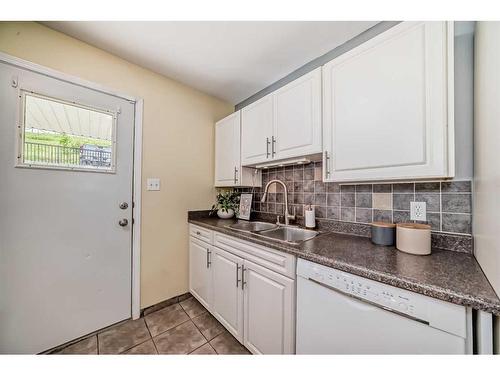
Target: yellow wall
(178, 144)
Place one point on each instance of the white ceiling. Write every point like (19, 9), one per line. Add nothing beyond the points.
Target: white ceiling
(230, 60)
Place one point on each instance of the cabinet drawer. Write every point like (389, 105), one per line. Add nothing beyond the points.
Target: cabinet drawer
(201, 233)
(275, 260)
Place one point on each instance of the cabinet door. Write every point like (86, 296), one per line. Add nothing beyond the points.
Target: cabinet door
(227, 151)
(200, 271)
(268, 310)
(388, 106)
(257, 131)
(297, 117)
(227, 304)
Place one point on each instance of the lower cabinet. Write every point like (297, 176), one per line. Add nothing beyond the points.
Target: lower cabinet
(227, 304)
(254, 303)
(269, 311)
(200, 271)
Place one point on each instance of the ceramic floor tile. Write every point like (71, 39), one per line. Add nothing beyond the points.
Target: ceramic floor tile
(86, 346)
(147, 347)
(225, 343)
(182, 328)
(208, 325)
(122, 337)
(205, 349)
(192, 307)
(166, 318)
(182, 339)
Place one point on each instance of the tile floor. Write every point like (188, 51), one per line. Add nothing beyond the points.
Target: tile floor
(181, 328)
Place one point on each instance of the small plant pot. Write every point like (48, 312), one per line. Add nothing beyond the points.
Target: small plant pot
(225, 214)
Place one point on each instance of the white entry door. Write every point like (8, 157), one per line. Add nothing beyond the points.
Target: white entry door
(66, 170)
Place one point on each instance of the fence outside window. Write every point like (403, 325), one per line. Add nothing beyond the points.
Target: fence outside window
(85, 155)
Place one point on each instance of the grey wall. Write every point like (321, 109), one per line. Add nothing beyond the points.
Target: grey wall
(464, 93)
(464, 99)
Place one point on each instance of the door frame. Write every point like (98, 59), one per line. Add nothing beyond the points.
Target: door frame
(137, 160)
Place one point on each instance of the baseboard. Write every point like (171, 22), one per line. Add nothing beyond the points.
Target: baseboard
(163, 304)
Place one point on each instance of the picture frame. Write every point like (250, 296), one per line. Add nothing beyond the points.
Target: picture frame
(245, 206)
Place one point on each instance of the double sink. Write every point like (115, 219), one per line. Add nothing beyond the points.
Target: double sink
(282, 233)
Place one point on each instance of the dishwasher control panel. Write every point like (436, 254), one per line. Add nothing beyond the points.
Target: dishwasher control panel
(425, 309)
(368, 290)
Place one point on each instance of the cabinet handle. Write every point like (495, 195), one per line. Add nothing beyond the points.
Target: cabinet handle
(208, 258)
(237, 274)
(243, 282)
(235, 175)
(267, 147)
(327, 164)
(273, 146)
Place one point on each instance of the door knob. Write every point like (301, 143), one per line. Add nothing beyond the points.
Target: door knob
(124, 205)
(123, 222)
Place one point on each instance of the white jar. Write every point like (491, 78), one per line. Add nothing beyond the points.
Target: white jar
(413, 238)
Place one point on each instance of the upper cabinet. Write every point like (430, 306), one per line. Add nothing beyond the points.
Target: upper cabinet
(257, 131)
(388, 106)
(284, 124)
(297, 117)
(228, 170)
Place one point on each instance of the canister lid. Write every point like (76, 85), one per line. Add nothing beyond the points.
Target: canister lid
(414, 226)
(383, 224)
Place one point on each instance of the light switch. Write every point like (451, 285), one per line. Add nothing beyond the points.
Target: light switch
(153, 184)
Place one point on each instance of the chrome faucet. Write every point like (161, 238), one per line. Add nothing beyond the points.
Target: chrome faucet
(287, 214)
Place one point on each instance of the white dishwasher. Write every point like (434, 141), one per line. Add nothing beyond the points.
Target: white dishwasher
(340, 313)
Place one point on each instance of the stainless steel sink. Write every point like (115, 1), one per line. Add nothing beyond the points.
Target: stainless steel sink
(289, 234)
(282, 233)
(252, 226)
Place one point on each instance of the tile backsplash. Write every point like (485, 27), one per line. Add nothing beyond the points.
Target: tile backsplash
(448, 203)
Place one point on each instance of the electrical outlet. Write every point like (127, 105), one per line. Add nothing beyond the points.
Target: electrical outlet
(153, 184)
(418, 211)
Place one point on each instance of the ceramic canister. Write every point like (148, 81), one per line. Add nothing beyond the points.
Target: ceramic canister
(413, 238)
(383, 233)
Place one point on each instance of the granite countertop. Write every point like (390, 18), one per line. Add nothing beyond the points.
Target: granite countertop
(446, 275)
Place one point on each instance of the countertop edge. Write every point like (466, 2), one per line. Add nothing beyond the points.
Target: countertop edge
(407, 284)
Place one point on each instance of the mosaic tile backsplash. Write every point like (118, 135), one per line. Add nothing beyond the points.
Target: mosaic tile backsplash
(448, 202)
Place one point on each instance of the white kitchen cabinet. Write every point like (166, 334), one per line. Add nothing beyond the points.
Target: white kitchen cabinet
(249, 289)
(227, 304)
(388, 106)
(200, 271)
(257, 131)
(269, 311)
(297, 117)
(284, 124)
(228, 169)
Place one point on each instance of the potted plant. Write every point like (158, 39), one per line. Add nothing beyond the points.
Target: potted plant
(226, 205)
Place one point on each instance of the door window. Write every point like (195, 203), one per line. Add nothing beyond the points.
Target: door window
(65, 135)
